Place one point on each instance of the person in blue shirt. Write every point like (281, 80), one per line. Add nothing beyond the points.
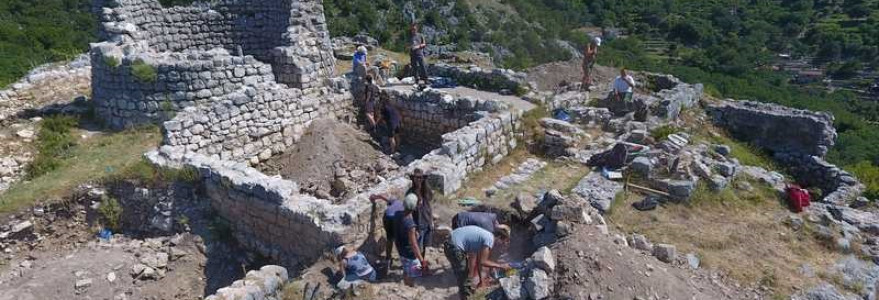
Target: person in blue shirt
(411, 256)
(353, 265)
(393, 124)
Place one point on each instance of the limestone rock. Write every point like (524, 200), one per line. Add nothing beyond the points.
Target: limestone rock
(512, 287)
(665, 252)
(544, 259)
(539, 285)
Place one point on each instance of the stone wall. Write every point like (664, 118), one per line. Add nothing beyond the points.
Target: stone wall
(269, 215)
(665, 96)
(253, 123)
(498, 80)
(156, 60)
(798, 139)
(776, 128)
(267, 283)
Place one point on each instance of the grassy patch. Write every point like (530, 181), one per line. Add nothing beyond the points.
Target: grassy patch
(53, 143)
(660, 133)
(739, 232)
(96, 159)
(143, 72)
(869, 175)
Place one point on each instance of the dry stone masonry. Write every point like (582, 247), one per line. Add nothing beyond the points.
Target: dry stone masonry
(266, 283)
(157, 60)
(799, 139)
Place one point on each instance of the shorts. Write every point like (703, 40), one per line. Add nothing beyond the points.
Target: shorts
(392, 130)
(388, 223)
(371, 277)
(588, 64)
(411, 267)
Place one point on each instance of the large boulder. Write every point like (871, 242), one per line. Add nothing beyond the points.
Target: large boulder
(544, 259)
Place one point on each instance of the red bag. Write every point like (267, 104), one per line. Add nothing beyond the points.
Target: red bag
(798, 198)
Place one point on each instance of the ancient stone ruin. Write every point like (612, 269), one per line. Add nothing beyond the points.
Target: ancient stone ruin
(798, 139)
(157, 60)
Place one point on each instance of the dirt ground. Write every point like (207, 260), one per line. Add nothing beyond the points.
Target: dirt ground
(549, 76)
(591, 266)
(331, 149)
(743, 235)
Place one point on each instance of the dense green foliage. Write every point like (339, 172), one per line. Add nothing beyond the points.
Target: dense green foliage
(36, 32)
(54, 141)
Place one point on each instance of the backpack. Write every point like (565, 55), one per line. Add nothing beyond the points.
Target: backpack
(797, 197)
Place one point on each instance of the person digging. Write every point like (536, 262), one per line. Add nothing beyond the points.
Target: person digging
(468, 250)
(484, 220)
(414, 264)
(354, 267)
(394, 208)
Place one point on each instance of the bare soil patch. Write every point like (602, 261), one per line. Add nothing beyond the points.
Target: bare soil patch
(333, 159)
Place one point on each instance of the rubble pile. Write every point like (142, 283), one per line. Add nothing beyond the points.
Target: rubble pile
(561, 138)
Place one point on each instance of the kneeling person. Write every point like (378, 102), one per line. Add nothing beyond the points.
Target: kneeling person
(354, 267)
(468, 251)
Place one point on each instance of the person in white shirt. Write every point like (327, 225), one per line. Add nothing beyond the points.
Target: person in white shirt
(623, 86)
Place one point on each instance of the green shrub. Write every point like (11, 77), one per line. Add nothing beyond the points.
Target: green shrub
(868, 174)
(660, 133)
(143, 72)
(112, 61)
(53, 143)
(111, 213)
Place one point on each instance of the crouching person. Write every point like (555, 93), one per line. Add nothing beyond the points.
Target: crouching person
(468, 250)
(354, 267)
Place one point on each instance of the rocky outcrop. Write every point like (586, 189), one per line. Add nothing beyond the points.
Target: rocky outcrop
(776, 128)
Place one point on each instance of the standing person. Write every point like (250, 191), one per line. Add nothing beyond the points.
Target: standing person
(362, 68)
(590, 52)
(484, 220)
(393, 123)
(370, 98)
(624, 86)
(411, 256)
(468, 251)
(416, 53)
(354, 267)
(424, 212)
(395, 208)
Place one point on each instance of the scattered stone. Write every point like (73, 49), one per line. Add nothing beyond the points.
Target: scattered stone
(665, 252)
(723, 150)
(25, 134)
(525, 203)
(642, 166)
(727, 169)
(544, 259)
(111, 277)
(640, 242)
(512, 287)
(717, 183)
(598, 191)
(83, 284)
(22, 226)
(539, 285)
(693, 260)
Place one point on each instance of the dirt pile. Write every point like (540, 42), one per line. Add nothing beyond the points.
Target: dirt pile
(332, 160)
